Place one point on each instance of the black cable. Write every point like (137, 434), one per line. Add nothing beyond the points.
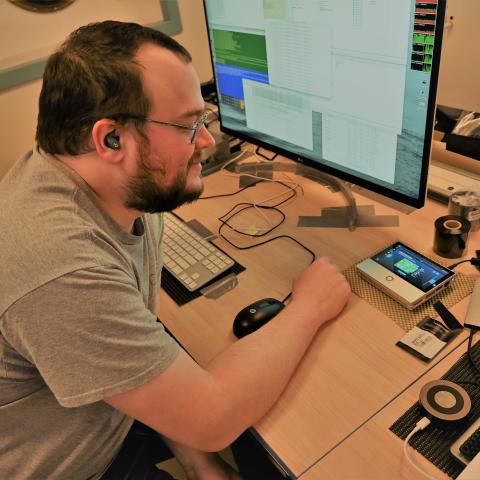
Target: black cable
(271, 240)
(246, 206)
(287, 297)
(257, 152)
(268, 241)
(453, 265)
(473, 261)
(224, 223)
(235, 147)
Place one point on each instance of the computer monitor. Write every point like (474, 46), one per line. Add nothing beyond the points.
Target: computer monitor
(345, 86)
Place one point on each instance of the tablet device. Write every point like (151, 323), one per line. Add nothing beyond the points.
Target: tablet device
(406, 275)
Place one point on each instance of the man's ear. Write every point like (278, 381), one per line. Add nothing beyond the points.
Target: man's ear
(106, 139)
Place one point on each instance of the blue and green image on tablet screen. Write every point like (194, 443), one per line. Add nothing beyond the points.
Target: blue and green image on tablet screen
(407, 266)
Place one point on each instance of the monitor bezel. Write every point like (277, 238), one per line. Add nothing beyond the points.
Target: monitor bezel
(415, 202)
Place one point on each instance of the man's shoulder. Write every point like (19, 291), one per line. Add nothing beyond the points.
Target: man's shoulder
(46, 216)
(31, 186)
(49, 229)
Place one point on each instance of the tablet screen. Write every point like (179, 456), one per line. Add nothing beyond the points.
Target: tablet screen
(412, 266)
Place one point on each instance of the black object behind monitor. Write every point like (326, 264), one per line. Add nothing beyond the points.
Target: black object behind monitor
(446, 119)
(344, 86)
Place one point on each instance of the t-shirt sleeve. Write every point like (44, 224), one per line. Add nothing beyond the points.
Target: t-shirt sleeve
(90, 335)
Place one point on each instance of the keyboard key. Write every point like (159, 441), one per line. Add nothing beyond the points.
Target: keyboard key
(471, 446)
(190, 259)
(182, 263)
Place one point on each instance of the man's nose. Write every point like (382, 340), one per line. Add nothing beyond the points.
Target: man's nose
(204, 139)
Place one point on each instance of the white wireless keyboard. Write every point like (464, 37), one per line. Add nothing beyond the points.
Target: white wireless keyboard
(191, 259)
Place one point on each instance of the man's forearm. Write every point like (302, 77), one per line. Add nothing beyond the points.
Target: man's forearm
(252, 373)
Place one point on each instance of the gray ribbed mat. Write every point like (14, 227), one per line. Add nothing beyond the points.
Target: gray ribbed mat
(175, 289)
(181, 295)
(435, 440)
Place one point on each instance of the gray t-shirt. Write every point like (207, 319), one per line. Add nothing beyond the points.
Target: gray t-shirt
(77, 322)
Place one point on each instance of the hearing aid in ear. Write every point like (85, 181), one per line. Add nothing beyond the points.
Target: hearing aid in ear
(112, 141)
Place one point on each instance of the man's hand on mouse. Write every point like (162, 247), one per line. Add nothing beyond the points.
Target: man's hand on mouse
(321, 290)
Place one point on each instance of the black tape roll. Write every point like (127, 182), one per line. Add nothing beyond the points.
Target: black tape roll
(451, 235)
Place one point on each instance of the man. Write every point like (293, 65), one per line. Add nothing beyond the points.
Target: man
(119, 136)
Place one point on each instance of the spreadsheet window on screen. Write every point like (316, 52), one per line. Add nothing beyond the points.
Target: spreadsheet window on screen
(344, 84)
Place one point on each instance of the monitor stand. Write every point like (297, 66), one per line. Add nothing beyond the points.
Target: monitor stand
(350, 216)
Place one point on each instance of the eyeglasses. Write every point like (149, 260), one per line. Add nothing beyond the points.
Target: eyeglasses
(195, 128)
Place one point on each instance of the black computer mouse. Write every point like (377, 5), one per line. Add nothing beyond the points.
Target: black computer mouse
(253, 316)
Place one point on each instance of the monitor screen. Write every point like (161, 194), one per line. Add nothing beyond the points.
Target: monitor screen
(345, 86)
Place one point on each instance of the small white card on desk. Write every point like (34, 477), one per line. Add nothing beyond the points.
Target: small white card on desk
(427, 338)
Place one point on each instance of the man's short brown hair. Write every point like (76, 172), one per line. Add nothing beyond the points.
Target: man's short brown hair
(94, 75)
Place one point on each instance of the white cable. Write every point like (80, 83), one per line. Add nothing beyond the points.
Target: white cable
(250, 175)
(421, 424)
(232, 160)
(256, 205)
(290, 189)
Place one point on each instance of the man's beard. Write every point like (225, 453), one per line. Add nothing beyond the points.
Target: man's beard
(146, 194)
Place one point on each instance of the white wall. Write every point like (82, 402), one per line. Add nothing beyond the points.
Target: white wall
(459, 84)
(18, 106)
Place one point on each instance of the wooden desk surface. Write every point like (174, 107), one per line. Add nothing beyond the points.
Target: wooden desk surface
(353, 367)
(373, 452)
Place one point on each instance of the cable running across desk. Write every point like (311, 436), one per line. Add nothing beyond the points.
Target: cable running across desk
(241, 207)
